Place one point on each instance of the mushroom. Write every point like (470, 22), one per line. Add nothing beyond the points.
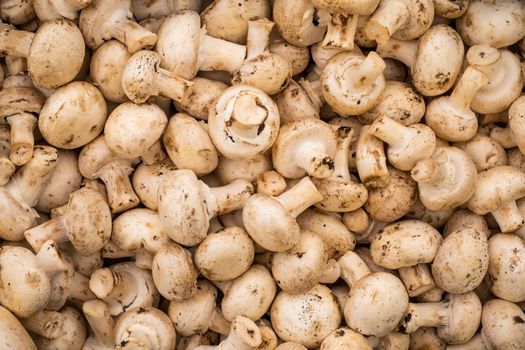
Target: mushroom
(147, 328)
(181, 197)
(73, 332)
(18, 106)
(197, 314)
(262, 69)
(496, 191)
(298, 22)
(434, 60)
(147, 178)
(244, 122)
(484, 152)
(204, 93)
(306, 318)
(450, 117)
(464, 218)
(229, 19)
(200, 51)
(151, 10)
(244, 335)
(516, 123)
(47, 10)
(17, 11)
(353, 84)
(445, 180)
(502, 69)
(400, 19)
(55, 53)
(401, 193)
(97, 161)
(21, 194)
(101, 323)
(370, 160)
(251, 169)
(225, 255)
(298, 57)
(86, 223)
(103, 21)
(406, 144)
(290, 346)
(400, 102)
(13, 334)
(457, 317)
(271, 183)
(506, 271)
(73, 115)
(124, 286)
(345, 338)
(7, 168)
(271, 221)
(296, 101)
(427, 338)
(47, 324)
(305, 146)
(508, 16)
(436, 218)
(341, 193)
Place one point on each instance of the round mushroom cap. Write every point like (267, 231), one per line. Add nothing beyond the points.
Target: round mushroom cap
(180, 53)
(12, 333)
(25, 289)
(182, 207)
(88, 221)
(405, 243)
(131, 129)
(229, 170)
(16, 216)
(340, 195)
(503, 325)
(496, 187)
(139, 77)
(270, 224)
(204, 94)
(376, 304)
(74, 332)
(345, 338)
(19, 99)
(508, 16)
(269, 72)
(461, 261)
(299, 57)
(57, 53)
(517, 122)
(306, 318)
(507, 267)
(464, 318)
(485, 152)
(73, 115)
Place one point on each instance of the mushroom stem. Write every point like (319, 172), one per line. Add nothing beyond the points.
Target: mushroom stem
(258, 40)
(311, 156)
(425, 315)
(363, 75)
(54, 229)
(427, 170)
(15, 42)
(344, 137)
(371, 160)
(301, 196)
(47, 324)
(173, 86)
(217, 54)
(7, 168)
(103, 281)
(331, 272)
(247, 115)
(471, 81)
(121, 195)
(219, 323)
(244, 335)
(80, 292)
(387, 19)
(488, 60)
(353, 268)
(313, 90)
(390, 131)
(97, 315)
(417, 279)
(341, 32)
(229, 197)
(22, 140)
(133, 35)
(51, 260)
(155, 154)
(508, 217)
(404, 51)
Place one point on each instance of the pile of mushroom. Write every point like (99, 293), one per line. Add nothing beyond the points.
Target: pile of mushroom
(262, 174)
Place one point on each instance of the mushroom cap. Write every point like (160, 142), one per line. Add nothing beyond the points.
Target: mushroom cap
(296, 133)
(296, 23)
(25, 289)
(405, 243)
(298, 57)
(376, 304)
(438, 60)
(225, 255)
(12, 334)
(294, 103)
(270, 224)
(139, 77)
(507, 268)
(503, 324)
(88, 221)
(189, 145)
(131, 129)
(485, 152)
(153, 329)
(73, 115)
(19, 99)
(357, 7)
(182, 207)
(204, 94)
(180, 53)
(451, 9)
(340, 195)
(346, 100)
(147, 178)
(457, 183)
(17, 12)
(461, 261)
(237, 141)
(57, 53)
(93, 157)
(250, 294)
(173, 273)
(421, 15)
(74, 332)
(268, 72)
(507, 15)
(517, 122)
(229, 170)
(306, 318)
(464, 318)
(16, 216)
(400, 101)
(496, 187)
(345, 338)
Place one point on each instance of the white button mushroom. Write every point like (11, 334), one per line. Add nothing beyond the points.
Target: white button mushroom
(251, 169)
(345, 338)
(370, 160)
(485, 152)
(295, 102)
(244, 335)
(203, 95)
(47, 10)
(72, 335)
(46, 324)
(147, 178)
(12, 333)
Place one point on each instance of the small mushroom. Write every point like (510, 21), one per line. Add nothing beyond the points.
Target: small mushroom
(271, 183)
(13, 334)
(503, 326)
(296, 102)
(345, 338)
(370, 160)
